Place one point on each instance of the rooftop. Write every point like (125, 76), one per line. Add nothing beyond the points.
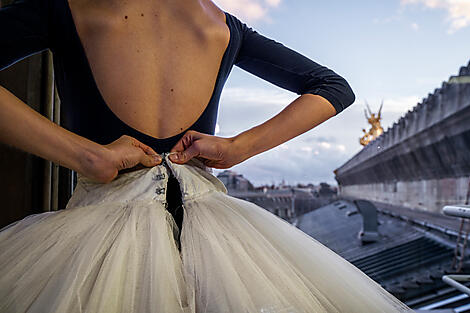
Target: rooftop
(408, 259)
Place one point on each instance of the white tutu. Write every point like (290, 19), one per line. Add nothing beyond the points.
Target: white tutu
(113, 250)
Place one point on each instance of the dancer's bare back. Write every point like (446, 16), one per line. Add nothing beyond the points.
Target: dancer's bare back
(154, 62)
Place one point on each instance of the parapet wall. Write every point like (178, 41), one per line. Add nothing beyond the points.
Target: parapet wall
(431, 142)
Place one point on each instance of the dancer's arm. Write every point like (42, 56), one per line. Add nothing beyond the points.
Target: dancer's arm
(323, 94)
(23, 32)
(303, 114)
(25, 129)
(290, 70)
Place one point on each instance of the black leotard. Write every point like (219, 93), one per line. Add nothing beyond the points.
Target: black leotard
(31, 26)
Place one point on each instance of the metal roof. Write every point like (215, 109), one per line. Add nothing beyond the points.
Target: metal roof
(407, 260)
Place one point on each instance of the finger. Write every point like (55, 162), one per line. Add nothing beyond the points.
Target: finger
(188, 138)
(186, 155)
(211, 163)
(183, 143)
(178, 146)
(150, 160)
(144, 147)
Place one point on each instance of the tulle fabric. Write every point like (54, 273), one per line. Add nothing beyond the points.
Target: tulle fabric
(113, 250)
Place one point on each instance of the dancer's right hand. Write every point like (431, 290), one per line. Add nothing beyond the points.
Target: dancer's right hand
(123, 153)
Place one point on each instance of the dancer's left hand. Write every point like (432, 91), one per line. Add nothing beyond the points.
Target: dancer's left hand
(213, 151)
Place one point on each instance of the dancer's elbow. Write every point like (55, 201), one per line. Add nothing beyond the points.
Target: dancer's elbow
(341, 93)
(348, 95)
(331, 86)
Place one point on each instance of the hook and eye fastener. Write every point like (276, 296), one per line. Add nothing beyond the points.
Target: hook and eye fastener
(160, 191)
(159, 176)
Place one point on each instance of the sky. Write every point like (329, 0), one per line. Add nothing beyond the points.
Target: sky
(395, 51)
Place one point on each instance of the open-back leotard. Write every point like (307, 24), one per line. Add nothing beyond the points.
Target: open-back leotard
(31, 26)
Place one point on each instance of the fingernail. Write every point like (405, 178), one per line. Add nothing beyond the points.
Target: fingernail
(157, 158)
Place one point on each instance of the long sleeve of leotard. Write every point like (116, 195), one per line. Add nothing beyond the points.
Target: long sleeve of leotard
(288, 69)
(24, 30)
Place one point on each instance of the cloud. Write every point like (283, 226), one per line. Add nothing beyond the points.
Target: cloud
(258, 97)
(310, 158)
(243, 108)
(393, 105)
(415, 26)
(386, 20)
(299, 163)
(249, 10)
(400, 104)
(458, 11)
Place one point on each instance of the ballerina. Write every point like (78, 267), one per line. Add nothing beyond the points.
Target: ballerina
(149, 228)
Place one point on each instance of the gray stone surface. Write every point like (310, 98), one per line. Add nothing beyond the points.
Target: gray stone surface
(427, 194)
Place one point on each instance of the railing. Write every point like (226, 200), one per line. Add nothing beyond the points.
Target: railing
(457, 280)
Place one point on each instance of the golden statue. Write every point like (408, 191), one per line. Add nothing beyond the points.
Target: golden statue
(376, 129)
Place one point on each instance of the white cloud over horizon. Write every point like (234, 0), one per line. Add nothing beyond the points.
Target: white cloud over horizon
(245, 107)
(259, 96)
(248, 10)
(301, 160)
(392, 105)
(458, 11)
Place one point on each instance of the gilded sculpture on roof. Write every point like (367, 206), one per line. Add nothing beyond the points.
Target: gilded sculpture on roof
(376, 129)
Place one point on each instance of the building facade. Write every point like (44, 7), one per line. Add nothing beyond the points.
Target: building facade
(423, 160)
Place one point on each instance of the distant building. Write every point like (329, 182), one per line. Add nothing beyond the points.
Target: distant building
(284, 201)
(421, 162)
(234, 181)
(326, 190)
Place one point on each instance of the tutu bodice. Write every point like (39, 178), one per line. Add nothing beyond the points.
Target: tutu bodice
(195, 179)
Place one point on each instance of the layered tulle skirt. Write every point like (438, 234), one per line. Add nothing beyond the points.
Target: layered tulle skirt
(113, 250)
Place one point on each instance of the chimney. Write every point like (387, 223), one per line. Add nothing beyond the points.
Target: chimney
(369, 232)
